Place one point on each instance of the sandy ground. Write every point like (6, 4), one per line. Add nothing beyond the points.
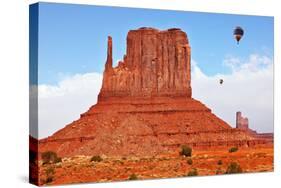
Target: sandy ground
(81, 169)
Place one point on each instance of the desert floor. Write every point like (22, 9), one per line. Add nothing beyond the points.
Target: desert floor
(79, 169)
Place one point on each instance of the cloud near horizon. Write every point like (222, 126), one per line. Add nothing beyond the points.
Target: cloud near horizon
(249, 89)
(61, 104)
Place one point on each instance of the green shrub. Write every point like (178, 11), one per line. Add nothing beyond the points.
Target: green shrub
(96, 158)
(186, 151)
(50, 171)
(233, 168)
(193, 172)
(219, 162)
(124, 158)
(219, 171)
(58, 160)
(49, 174)
(233, 149)
(49, 179)
(189, 161)
(133, 177)
(50, 157)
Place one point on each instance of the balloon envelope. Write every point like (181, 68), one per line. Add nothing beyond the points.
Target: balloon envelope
(238, 33)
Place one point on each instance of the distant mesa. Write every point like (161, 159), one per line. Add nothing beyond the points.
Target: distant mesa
(243, 124)
(145, 106)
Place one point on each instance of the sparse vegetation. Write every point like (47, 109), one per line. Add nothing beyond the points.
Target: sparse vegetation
(50, 171)
(49, 179)
(219, 162)
(233, 149)
(119, 161)
(133, 177)
(193, 172)
(50, 157)
(124, 158)
(189, 161)
(186, 151)
(58, 160)
(96, 158)
(49, 174)
(219, 171)
(233, 168)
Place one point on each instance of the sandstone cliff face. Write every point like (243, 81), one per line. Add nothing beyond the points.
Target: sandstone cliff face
(157, 63)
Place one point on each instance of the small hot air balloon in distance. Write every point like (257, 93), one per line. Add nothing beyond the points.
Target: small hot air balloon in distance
(238, 33)
(221, 81)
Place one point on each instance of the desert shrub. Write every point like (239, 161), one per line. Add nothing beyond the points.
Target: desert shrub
(96, 158)
(124, 158)
(219, 162)
(133, 177)
(49, 179)
(58, 160)
(219, 171)
(50, 171)
(233, 149)
(193, 172)
(233, 168)
(49, 174)
(189, 161)
(50, 157)
(186, 151)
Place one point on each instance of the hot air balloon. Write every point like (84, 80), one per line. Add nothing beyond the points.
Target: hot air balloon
(238, 33)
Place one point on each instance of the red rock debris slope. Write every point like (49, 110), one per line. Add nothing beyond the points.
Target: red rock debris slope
(145, 106)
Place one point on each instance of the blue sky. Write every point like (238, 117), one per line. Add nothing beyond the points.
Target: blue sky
(73, 38)
(72, 53)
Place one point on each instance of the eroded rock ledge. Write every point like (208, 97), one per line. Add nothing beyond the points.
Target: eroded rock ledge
(157, 63)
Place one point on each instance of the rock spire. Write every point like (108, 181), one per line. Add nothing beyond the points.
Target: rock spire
(156, 64)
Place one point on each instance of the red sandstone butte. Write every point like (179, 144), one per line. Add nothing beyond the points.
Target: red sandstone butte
(145, 106)
(243, 124)
(157, 63)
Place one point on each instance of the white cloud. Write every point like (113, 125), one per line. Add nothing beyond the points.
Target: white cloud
(254, 63)
(61, 104)
(249, 89)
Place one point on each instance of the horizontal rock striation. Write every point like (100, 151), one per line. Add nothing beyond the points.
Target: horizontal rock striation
(157, 63)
